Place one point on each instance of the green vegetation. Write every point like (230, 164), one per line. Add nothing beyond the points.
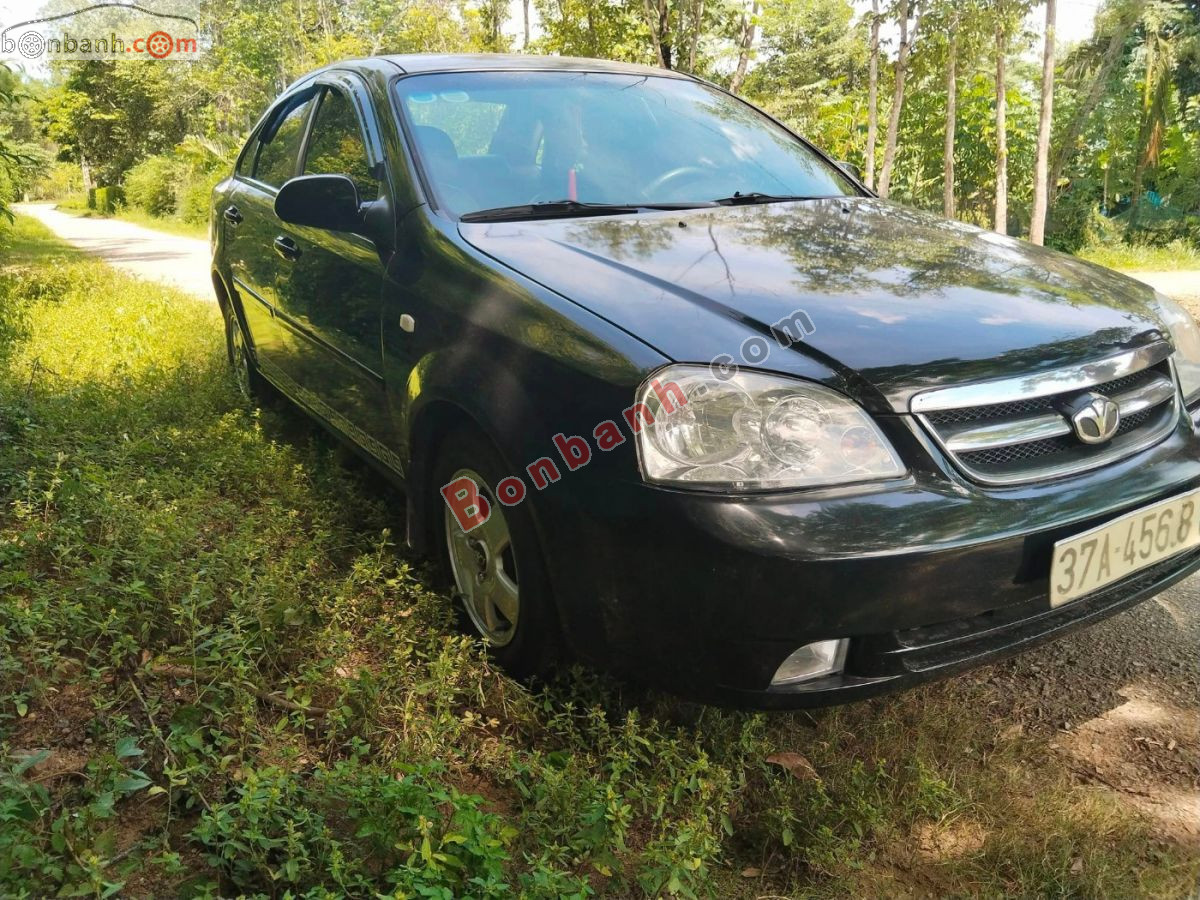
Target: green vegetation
(1121, 141)
(170, 225)
(1140, 257)
(220, 672)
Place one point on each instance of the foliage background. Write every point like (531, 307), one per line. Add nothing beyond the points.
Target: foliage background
(1126, 122)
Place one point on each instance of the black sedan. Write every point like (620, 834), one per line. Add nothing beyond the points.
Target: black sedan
(669, 391)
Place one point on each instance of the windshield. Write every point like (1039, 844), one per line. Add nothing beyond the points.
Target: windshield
(502, 139)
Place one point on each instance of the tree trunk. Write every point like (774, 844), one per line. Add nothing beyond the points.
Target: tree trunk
(745, 45)
(873, 96)
(697, 25)
(1041, 186)
(1066, 150)
(1001, 209)
(1157, 83)
(951, 122)
(1150, 142)
(664, 32)
(525, 10)
(1135, 199)
(657, 17)
(893, 129)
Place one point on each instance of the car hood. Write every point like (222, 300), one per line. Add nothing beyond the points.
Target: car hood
(895, 300)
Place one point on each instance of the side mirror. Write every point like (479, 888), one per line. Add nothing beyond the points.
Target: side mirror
(850, 169)
(320, 201)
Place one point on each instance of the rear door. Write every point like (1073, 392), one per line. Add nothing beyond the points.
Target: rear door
(251, 227)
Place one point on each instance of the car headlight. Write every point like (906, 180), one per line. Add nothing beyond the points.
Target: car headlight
(1185, 335)
(755, 431)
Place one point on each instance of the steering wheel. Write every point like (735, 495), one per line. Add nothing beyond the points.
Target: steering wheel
(676, 174)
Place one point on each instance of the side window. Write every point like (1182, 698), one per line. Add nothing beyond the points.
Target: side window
(336, 146)
(276, 161)
(246, 158)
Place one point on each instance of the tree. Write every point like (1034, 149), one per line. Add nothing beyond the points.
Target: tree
(901, 70)
(1041, 187)
(658, 17)
(1007, 15)
(11, 158)
(1162, 24)
(595, 28)
(873, 96)
(813, 71)
(1118, 26)
(749, 24)
(108, 115)
(1000, 214)
(492, 15)
(948, 207)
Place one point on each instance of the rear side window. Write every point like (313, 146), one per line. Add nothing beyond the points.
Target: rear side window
(277, 153)
(336, 146)
(470, 124)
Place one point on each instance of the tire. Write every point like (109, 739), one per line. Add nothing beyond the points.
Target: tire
(250, 383)
(496, 570)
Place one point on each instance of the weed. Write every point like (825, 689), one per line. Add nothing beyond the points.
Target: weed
(219, 674)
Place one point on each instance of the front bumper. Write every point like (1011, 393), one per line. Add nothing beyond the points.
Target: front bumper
(881, 662)
(708, 594)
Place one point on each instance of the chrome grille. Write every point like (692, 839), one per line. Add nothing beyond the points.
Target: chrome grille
(1020, 432)
(1030, 407)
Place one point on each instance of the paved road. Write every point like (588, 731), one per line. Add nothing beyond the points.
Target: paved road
(179, 261)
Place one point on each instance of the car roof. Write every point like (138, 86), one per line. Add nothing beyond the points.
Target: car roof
(413, 63)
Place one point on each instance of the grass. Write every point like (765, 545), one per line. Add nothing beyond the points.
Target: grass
(170, 225)
(77, 205)
(221, 674)
(1135, 258)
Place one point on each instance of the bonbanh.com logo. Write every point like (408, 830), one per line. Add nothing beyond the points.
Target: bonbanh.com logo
(108, 30)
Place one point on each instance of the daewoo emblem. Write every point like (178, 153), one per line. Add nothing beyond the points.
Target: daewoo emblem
(1094, 417)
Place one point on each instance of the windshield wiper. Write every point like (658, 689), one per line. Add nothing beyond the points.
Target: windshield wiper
(548, 209)
(750, 197)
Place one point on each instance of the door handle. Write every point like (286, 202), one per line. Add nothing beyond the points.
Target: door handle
(287, 248)
(232, 216)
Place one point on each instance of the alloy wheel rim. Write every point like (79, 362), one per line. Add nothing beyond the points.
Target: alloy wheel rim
(238, 357)
(484, 567)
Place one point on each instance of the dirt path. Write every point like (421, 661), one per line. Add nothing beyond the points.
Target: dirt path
(1183, 285)
(179, 261)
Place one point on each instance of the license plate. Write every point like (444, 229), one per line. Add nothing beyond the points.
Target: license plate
(1089, 561)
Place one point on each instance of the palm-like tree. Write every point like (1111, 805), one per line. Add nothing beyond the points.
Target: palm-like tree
(1163, 27)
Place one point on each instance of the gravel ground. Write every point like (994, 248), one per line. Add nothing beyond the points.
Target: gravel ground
(1063, 684)
(1119, 703)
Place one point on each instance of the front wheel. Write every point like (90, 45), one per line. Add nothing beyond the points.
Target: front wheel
(496, 568)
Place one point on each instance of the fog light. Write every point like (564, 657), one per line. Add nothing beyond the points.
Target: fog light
(812, 661)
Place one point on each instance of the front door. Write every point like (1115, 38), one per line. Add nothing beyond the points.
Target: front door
(331, 295)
